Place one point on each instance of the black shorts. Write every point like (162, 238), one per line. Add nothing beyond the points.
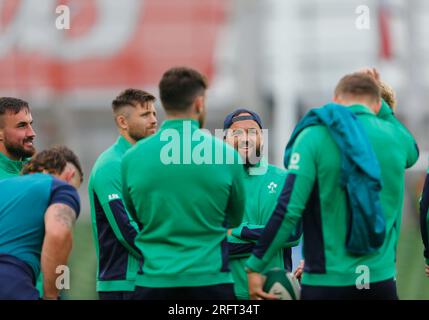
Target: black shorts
(17, 281)
(215, 292)
(384, 290)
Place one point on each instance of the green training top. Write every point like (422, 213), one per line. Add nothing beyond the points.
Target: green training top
(262, 191)
(313, 185)
(113, 228)
(179, 186)
(10, 168)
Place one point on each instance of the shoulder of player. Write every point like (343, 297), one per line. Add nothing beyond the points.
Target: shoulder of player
(148, 141)
(144, 146)
(65, 193)
(313, 135)
(314, 130)
(107, 162)
(35, 185)
(106, 169)
(29, 179)
(59, 186)
(111, 154)
(58, 183)
(382, 128)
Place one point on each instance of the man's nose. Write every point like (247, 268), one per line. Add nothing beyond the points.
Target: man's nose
(154, 119)
(31, 132)
(244, 140)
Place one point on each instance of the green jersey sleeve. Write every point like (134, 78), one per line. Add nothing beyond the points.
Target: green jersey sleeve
(107, 187)
(125, 191)
(250, 233)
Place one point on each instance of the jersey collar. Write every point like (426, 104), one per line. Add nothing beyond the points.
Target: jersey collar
(360, 109)
(11, 166)
(123, 143)
(261, 166)
(178, 123)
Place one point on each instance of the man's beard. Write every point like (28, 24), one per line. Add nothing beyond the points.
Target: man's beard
(138, 135)
(252, 156)
(18, 151)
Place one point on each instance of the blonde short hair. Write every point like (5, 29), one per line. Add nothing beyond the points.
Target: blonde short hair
(388, 95)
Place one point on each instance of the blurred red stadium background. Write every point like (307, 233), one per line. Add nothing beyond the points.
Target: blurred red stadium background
(152, 36)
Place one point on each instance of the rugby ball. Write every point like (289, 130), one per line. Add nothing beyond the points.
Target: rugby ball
(282, 284)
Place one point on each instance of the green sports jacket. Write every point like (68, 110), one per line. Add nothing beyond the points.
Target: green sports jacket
(185, 195)
(10, 168)
(262, 191)
(312, 193)
(114, 230)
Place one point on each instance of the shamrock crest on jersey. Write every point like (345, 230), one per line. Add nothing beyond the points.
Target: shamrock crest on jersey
(272, 187)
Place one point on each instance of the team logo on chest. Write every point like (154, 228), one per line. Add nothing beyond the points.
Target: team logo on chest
(272, 187)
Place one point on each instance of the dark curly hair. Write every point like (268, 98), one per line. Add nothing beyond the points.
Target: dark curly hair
(53, 161)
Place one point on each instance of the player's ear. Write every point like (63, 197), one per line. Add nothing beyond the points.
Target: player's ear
(69, 173)
(335, 99)
(199, 105)
(121, 121)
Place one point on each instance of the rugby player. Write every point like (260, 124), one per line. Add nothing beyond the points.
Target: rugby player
(114, 229)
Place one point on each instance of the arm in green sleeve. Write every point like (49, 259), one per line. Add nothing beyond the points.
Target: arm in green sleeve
(108, 188)
(247, 231)
(125, 190)
(238, 248)
(123, 226)
(252, 232)
(284, 220)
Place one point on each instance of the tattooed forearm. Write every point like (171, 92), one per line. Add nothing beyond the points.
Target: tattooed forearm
(65, 215)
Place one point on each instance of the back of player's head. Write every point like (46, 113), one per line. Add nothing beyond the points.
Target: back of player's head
(12, 105)
(131, 97)
(358, 86)
(53, 161)
(70, 157)
(179, 87)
